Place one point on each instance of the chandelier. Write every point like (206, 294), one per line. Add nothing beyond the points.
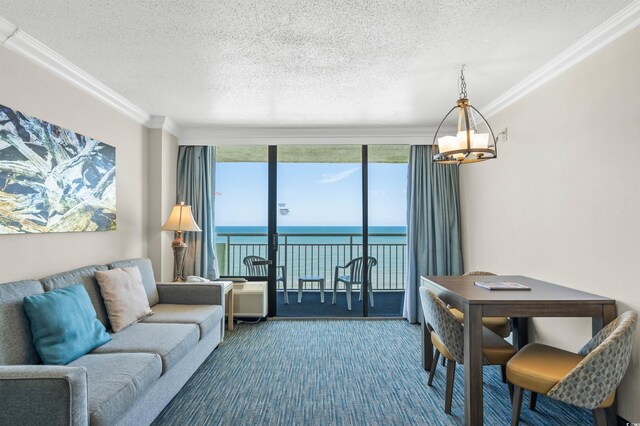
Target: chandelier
(474, 140)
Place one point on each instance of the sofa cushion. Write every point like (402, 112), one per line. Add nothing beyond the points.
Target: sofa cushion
(15, 333)
(124, 296)
(170, 341)
(207, 317)
(115, 381)
(86, 277)
(64, 324)
(148, 279)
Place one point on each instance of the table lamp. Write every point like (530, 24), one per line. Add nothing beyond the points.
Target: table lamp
(180, 220)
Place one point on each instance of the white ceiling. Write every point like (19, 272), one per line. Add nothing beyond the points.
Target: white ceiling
(307, 63)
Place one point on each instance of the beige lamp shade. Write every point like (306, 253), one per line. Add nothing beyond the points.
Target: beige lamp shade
(181, 219)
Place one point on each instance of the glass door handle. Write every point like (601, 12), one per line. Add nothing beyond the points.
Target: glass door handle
(274, 242)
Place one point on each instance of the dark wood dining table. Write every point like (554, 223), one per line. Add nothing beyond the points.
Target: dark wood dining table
(543, 300)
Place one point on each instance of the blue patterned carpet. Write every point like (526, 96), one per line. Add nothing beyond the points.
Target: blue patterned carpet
(342, 372)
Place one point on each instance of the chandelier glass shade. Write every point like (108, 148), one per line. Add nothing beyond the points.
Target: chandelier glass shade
(472, 140)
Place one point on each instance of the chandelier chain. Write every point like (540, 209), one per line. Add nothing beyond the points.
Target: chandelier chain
(463, 84)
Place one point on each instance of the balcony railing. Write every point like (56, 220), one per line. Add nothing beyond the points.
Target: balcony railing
(318, 254)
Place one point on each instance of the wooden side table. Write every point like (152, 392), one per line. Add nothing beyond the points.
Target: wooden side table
(228, 294)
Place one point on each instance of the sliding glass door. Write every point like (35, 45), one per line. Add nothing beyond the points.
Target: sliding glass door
(320, 217)
(307, 214)
(387, 230)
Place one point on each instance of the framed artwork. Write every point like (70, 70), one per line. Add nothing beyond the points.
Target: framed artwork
(52, 179)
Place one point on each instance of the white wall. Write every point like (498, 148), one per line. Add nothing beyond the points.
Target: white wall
(34, 91)
(562, 201)
(163, 157)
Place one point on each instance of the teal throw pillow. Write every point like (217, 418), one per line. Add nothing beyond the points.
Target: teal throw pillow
(64, 324)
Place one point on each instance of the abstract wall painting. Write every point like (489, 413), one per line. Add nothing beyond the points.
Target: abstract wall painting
(52, 179)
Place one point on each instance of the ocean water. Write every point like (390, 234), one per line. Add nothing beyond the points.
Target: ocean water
(315, 234)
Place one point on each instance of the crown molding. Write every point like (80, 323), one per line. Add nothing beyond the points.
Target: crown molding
(613, 28)
(165, 123)
(6, 30)
(42, 55)
(307, 135)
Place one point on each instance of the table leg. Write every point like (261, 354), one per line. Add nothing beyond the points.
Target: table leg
(608, 315)
(427, 347)
(520, 332)
(596, 325)
(322, 291)
(473, 409)
(230, 305)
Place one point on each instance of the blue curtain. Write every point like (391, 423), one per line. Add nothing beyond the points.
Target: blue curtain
(196, 186)
(433, 224)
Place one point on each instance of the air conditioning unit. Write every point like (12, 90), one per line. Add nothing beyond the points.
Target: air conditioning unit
(250, 299)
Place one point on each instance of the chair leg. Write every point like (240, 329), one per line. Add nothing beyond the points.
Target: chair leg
(371, 302)
(510, 387)
(322, 291)
(532, 401)
(444, 361)
(516, 405)
(348, 285)
(612, 415)
(600, 417)
(300, 285)
(360, 296)
(434, 364)
(448, 393)
(503, 373)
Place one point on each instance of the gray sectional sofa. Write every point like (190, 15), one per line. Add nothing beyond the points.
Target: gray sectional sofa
(127, 381)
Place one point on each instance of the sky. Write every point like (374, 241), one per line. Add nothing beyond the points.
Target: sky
(315, 194)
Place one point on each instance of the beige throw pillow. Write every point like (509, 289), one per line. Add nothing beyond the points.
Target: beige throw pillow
(124, 296)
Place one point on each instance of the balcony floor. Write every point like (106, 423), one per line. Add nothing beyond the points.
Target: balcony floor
(387, 304)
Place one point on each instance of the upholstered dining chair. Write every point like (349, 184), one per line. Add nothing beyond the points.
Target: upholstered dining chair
(258, 267)
(447, 337)
(354, 277)
(588, 379)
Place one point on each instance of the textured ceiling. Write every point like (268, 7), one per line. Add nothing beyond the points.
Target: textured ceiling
(307, 63)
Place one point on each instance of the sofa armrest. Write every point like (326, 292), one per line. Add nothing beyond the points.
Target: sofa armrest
(192, 293)
(43, 394)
